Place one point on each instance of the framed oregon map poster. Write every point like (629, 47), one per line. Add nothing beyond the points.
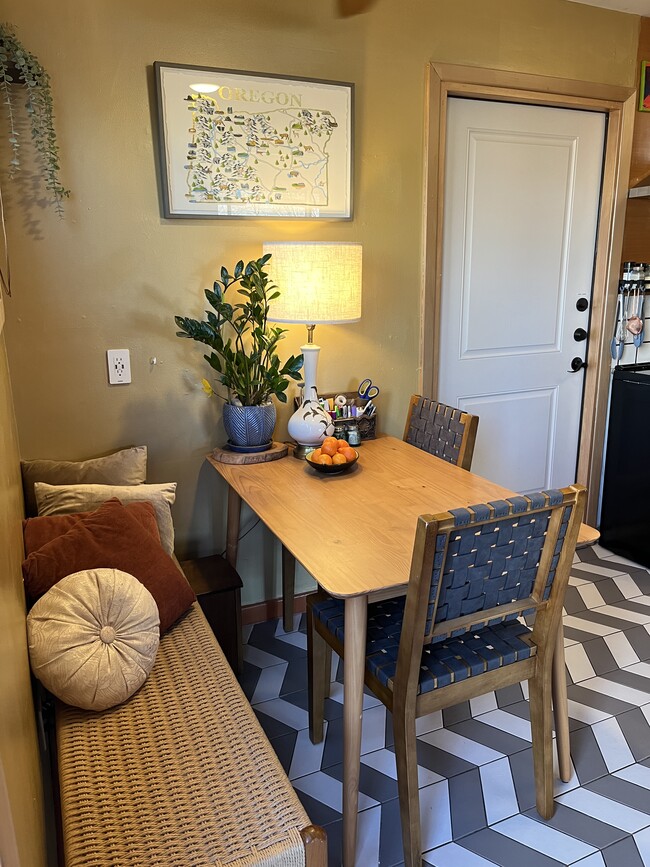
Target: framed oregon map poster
(245, 144)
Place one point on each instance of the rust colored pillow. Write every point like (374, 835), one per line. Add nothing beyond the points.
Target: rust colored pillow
(39, 531)
(111, 538)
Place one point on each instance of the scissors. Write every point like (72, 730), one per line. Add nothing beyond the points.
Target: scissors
(367, 391)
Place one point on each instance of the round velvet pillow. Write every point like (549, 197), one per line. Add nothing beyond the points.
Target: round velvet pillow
(93, 637)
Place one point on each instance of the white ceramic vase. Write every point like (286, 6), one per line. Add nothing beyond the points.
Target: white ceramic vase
(310, 424)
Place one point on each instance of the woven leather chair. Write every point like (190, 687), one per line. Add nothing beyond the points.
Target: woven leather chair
(459, 632)
(441, 430)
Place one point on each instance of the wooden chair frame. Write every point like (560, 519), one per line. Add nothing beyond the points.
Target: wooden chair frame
(469, 421)
(403, 699)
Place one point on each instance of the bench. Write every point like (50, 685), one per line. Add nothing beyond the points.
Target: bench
(181, 774)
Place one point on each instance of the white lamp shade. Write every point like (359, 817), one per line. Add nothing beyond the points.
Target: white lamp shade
(318, 281)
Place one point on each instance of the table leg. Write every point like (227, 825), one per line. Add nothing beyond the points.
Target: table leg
(232, 528)
(561, 708)
(288, 588)
(356, 613)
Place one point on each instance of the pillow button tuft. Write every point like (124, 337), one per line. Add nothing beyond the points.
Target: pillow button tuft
(107, 634)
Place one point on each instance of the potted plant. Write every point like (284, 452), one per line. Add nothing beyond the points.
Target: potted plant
(21, 75)
(244, 352)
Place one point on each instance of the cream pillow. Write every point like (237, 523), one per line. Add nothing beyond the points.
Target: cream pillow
(125, 467)
(93, 638)
(64, 499)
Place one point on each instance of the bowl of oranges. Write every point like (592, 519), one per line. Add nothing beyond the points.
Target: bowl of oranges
(333, 456)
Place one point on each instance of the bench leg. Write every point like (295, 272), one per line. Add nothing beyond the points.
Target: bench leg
(315, 840)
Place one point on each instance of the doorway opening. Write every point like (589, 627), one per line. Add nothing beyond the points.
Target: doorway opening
(617, 104)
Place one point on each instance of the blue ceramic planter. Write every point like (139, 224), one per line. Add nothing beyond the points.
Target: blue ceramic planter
(249, 425)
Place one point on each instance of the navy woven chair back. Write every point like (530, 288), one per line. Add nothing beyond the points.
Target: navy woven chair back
(481, 569)
(463, 629)
(489, 559)
(441, 430)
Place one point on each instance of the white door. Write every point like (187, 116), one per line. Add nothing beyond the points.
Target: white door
(522, 190)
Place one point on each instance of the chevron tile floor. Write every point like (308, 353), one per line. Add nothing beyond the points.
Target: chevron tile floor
(475, 763)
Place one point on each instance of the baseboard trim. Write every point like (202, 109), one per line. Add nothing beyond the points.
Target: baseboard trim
(271, 609)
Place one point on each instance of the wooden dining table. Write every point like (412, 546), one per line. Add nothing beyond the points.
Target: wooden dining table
(354, 534)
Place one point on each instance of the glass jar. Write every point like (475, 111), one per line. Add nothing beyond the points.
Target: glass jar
(352, 433)
(340, 429)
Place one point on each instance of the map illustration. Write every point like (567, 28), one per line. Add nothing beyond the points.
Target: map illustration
(275, 157)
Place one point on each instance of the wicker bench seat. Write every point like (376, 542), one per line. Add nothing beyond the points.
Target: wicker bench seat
(180, 774)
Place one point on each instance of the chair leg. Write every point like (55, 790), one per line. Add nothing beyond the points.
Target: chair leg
(561, 709)
(407, 785)
(541, 723)
(317, 657)
(327, 671)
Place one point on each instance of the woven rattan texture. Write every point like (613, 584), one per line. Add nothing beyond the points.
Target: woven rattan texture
(436, 428)
(181, 774)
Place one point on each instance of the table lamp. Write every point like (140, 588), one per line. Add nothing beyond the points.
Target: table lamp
(319, 283)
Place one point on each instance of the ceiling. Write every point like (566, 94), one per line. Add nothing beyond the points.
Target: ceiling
(637, 7)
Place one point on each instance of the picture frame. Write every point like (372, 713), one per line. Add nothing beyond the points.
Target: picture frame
(644, 87)
(239, 144)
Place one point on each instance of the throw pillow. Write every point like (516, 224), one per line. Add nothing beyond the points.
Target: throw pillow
(110, 537)
(126, 467)
(39, 531)
(63, 499)
(93, 638)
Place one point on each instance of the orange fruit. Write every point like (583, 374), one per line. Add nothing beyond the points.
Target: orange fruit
(314, 456)
(328, 448)
(342, 444)
(329, 440)
(324, 459)
(349, 454)
(339, 459)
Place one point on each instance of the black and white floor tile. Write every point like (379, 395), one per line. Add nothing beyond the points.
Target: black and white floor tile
(476, 780)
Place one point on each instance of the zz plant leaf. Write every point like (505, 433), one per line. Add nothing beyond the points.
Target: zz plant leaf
(244, 346)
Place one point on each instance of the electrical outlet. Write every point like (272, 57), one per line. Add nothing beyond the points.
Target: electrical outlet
(119, 366)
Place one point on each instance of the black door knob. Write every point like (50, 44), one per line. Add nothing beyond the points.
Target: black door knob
(577, 364)
(579, 334)
(582, 304)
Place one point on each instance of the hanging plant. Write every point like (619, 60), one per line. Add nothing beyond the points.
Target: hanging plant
(21, 71)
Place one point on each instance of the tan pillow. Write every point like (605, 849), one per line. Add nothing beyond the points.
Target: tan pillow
(93, 638)
(63, 499)
(126, 467)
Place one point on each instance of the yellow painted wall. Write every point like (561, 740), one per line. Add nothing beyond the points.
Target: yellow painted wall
(18, 744)
(113, 273)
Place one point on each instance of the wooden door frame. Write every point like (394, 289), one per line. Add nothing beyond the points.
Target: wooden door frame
(619, 103)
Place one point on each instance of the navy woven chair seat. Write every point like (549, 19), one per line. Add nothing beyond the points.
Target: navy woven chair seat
(482, 610)
(447, 661)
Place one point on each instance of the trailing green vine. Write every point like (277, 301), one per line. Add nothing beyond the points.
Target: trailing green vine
(20, 69)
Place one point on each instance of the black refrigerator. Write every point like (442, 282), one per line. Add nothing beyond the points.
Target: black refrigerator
(625, 512)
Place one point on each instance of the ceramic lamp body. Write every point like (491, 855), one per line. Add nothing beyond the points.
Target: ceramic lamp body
(310, 424)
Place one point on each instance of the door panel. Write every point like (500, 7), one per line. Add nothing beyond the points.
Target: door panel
(522, 190)
(510, 432)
